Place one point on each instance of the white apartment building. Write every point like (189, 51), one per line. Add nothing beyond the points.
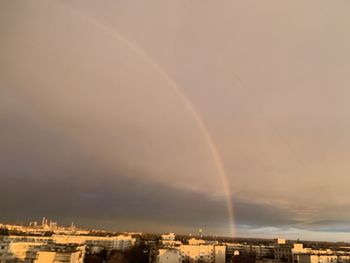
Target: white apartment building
(194, 241)
(203, 253)
(3, 251)
(33, 239)
(168, 237)
(289, 252)
(168, 240)
(121, 242)
(24, 252)
(257, 251)
(193, 254)
(296, 253)
(169, 256)
(26, 249)
(38, 252)
(61, 255)
(324, 258)
(171, 243)
(280, 241)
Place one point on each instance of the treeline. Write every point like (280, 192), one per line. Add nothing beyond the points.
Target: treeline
(137, 254)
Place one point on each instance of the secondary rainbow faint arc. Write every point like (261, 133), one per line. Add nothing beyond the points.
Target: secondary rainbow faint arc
(190, 107)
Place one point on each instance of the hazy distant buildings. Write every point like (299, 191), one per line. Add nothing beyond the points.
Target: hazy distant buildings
(46, 226)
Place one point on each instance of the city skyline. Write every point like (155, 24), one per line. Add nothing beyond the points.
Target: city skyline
(173, 116)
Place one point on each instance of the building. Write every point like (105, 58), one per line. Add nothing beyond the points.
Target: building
(289, 252)
(3, 251)
(29, 249)
(203, 253)
(61, 254)
(191, 254)
(168, 240)
(46, 226)
(280, 241)
(194, 241)
(168, 256)
(124, 242)
(24, 252)
(257, 251)
(323, 258)
(168, 237)
(95, 243)
(33, 249)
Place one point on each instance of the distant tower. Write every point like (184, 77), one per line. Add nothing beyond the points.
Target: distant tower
(200, 232)
(43, 222)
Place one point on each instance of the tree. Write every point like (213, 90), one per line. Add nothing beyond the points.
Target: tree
(4, 231)
(117, 258)
(243, 259)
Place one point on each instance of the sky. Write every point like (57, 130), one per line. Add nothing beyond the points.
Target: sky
(99, 108)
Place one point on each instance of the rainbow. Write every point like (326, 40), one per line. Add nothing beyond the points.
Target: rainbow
(187, 103)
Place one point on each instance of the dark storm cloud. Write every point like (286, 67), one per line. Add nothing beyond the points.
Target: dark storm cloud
(120, 199)
(47, 174)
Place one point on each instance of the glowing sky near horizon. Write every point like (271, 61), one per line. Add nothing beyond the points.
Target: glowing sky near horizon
(91, 132)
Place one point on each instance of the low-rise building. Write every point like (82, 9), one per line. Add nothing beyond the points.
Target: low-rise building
(194, 241)
(24, 252)
(329, 257)
(26, 249)
(60, 254)
(168, 256)
(168, 237)
(289, 252)
(192, 254)
(121, 242)
(168, 240)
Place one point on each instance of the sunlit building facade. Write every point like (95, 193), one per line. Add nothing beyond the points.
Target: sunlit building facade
(193, 254)
(61, 255)
(168, 256)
